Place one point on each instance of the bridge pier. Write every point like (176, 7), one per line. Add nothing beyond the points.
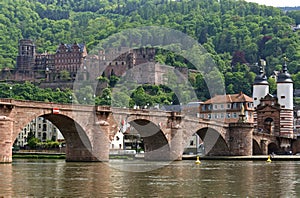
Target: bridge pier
(95, 149)
(6, 132)
(264, 146)
(240, 138)
(176, 144)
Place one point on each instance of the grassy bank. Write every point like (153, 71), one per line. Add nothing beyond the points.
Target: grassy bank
(39, 156)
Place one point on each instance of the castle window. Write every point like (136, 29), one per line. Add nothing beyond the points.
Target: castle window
(282, 97)
(255, 98)
(282, 106)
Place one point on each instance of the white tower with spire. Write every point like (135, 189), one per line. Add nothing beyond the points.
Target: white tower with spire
(285, 99)
(285, 89)
(260, 87)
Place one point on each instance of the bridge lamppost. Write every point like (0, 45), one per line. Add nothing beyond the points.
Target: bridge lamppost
(10, 91)
(47, 71)
(107, 100)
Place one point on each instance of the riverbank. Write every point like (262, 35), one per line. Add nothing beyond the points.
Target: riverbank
(251, 158)
(53, 155)
(38, 155)
(59, 155)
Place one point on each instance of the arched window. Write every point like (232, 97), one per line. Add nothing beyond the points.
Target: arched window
(268, 125)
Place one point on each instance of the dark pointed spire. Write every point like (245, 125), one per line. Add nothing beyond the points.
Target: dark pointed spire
(261, 78)
(284, 76)
(261, 71)
(284, 66)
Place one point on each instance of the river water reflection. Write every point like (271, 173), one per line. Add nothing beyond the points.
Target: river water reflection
(57, 178)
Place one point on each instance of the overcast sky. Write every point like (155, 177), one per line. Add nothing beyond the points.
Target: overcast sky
(278, 3)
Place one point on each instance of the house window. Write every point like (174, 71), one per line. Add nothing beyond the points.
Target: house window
(228, 106)
(215, 106)
(228, 115)
(222, 106)
(44, 127)
(282, 97)
(234, 115)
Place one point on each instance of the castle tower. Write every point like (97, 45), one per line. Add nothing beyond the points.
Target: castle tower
(26, 55)
(260, 87)
(285, 99)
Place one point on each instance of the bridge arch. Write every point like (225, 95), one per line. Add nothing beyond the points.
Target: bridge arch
(214, 142)
(78, 143)
(256, 149)
(273, 148)
(155, 142)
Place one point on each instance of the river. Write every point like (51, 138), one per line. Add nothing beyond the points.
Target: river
(137, 178)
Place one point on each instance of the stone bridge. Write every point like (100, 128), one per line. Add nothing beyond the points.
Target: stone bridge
(88, 130)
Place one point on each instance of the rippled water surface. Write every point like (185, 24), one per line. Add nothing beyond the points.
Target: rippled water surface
(137, 178)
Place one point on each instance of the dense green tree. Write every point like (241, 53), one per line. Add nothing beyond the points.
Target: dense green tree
(234, 33)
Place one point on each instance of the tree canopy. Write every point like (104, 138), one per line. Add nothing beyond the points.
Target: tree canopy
(237, 34)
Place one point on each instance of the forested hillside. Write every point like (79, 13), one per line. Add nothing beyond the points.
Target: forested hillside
(237, 34)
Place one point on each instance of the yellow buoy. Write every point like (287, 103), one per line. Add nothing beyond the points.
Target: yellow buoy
(197, 161)
(269, 159)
